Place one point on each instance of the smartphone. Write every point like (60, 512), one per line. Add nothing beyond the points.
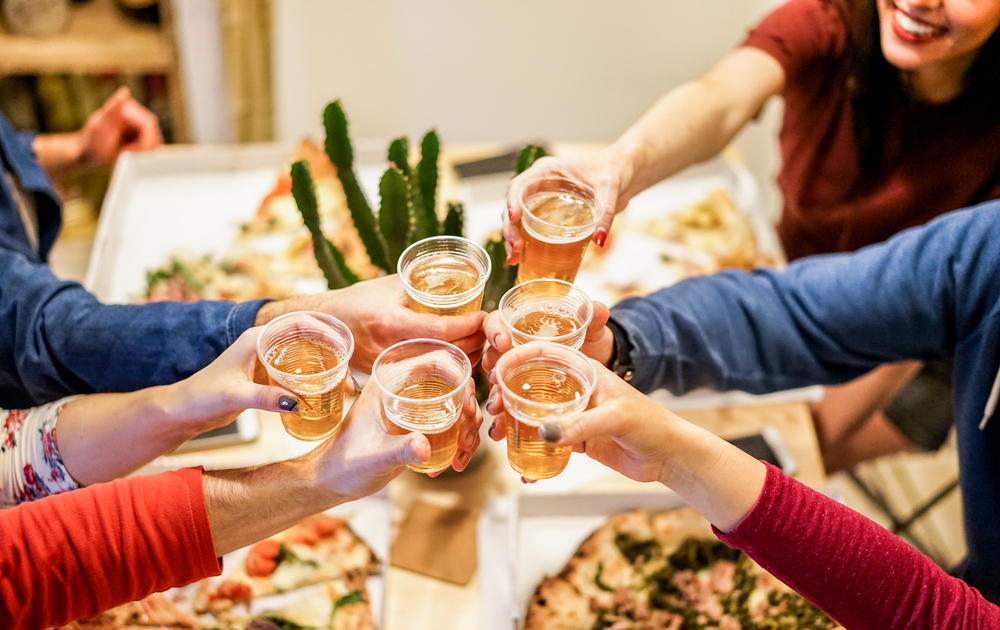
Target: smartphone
(245, 428)
(769, 446)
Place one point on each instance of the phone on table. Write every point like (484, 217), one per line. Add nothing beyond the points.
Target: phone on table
(769, 446)
(245, 428)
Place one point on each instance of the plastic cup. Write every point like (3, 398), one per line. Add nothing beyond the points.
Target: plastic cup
(540, 381)
(308, 354)
(444, 275)
(422, 383)
(558, 217)
(546, 310)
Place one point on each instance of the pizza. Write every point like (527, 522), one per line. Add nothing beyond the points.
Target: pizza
(188, 279)
(665, 571)
(320, 565)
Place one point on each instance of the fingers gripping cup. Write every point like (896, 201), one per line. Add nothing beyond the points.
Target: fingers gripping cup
(546, 310)
(422, 382)
(444, 275)
(540, 381)
(308, 354)
(558, 218)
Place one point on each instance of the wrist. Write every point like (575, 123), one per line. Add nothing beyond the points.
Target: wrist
(624, 156)
(323, 475)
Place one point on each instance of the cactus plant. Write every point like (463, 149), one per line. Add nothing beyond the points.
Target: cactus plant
(408, 207)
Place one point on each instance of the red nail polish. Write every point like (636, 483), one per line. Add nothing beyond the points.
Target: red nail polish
(510, 214)
(599, 238)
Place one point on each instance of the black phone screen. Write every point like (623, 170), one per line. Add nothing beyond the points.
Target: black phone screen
(757, 447)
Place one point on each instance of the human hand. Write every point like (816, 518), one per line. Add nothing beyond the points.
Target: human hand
(121, 124)
(378, 315)
(216, 394)
(605, 171)
(597, 344)
(468, 432)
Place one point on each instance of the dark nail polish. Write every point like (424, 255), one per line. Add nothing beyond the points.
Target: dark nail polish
(288, 403)
(550, 431)
(489, 432)
(599, 238)
(357, 385)
(524, 481)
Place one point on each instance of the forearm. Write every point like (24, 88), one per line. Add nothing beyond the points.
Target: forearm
(136, 428)
(851, 567)
(714, 477)
(696, 120)
(247, 505)
(60, 154)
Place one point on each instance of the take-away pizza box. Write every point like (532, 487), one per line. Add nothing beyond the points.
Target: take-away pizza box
(523, 538)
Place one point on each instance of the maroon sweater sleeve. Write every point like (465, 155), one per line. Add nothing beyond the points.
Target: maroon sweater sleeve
(851, 567)
(799, 35)
(76, 554)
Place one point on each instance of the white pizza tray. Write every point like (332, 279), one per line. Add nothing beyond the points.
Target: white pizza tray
(523, 538)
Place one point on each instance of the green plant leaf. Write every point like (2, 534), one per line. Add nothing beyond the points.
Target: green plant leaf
(501, 278)
(454, 221)
(527, 157)
(329, 258)
(394, 215)
(427, 175)
(399, 154)
(341, 153)
(353, 597)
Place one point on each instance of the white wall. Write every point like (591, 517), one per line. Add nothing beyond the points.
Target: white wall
(506, 71)
(199, 41)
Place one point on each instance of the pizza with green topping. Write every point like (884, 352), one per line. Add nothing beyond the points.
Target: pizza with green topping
(666, 571)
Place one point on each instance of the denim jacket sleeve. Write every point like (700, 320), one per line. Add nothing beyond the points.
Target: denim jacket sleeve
(825, 319)
(56, 339)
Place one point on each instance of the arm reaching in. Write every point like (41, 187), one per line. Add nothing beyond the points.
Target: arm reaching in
(689, 124)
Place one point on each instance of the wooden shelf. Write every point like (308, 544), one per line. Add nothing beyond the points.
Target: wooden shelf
(99, 39)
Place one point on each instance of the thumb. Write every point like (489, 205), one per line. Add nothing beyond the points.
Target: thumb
(580, 427)
(409, 450)
(268, 398)
(607, 200)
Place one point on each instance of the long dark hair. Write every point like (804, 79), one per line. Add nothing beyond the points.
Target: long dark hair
(877, 91)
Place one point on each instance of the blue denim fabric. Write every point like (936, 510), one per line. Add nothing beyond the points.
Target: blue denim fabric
(57, 339)
(930, 293)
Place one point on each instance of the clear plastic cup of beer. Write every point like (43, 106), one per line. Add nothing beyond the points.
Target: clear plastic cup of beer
(540, 381)
(546, 310)
(422, 383)
(444, 275)
(558, 217)
(308, 354)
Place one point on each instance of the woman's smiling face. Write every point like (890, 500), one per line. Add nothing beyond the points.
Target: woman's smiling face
(917, 34)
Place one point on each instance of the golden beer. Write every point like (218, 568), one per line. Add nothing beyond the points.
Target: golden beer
(320, 412)
(556, 227)
(546, 310)
(444, 275)
(444, 442)
(528, 454)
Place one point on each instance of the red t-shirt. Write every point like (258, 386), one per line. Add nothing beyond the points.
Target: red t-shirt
(856, 570)
(944, 161)
(74, 555)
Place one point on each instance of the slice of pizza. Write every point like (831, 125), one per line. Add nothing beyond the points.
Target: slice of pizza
(319, 548)
(341, 604)
(155, 612)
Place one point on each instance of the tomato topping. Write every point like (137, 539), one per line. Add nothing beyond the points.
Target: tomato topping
(327, 526)
(231, 589)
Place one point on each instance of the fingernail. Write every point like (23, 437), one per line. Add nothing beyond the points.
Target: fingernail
(510, 214)
(550, 431)
(600, 236)
(524, 481)
(288, 403)
(492, 399)
(490, 431)
(473, 402)
(496, 340)
(357, 385)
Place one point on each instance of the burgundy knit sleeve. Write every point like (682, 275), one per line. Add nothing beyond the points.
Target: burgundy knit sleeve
(851, 567)
(76, 554)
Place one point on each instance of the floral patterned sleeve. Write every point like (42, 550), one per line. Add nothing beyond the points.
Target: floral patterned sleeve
(30, 464)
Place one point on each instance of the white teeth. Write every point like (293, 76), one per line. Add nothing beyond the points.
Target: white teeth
(913, 27)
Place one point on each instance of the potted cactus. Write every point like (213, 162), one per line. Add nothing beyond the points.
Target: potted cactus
(408, 211)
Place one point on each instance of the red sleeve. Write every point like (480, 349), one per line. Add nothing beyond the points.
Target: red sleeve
(854, 569)
(802, 36)
(76, 554)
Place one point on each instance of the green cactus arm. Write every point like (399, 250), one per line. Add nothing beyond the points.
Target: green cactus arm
(427, 176)
(502, 277)
(330, 260)
(454, 221)
(339, 149)
(527, 157)
(394, 215)
(399, 154)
